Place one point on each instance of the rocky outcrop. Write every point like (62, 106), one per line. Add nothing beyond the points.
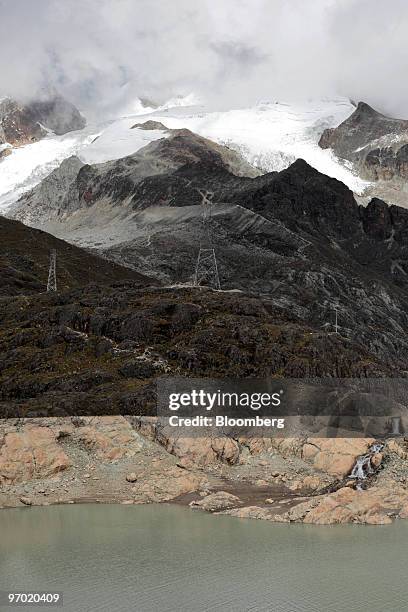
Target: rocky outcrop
(111, 459)
(5, 151)
(56, 114)
(375, 506)
(150, 125)
(109, 438)
(52, 189)
(87, 459)
(28, 122)
(202, 451)
(335, 456)
(32, 453)
(215, 502)
(250, 512)
(99, 349)
(376, 144)
(17, 125)
(168, 484)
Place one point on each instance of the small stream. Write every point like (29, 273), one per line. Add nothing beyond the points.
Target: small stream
(363, 466)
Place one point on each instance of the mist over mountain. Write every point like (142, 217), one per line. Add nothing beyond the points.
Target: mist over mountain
(106, 55)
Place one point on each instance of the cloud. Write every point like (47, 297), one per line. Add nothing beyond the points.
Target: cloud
(102, 54)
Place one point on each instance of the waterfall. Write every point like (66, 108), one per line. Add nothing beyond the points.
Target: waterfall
(363, 467)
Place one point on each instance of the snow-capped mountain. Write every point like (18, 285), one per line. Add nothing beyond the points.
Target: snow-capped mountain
(270, 136)
(297, 235)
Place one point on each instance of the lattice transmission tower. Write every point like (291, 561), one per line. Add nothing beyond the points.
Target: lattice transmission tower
(52, 274)
(206, 270)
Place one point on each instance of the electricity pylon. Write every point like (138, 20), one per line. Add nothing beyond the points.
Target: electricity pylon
(52, 274)
(206, 271)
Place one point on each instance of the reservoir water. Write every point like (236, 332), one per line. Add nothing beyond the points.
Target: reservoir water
(164, 558)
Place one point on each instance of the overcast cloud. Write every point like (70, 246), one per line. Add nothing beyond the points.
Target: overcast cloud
(104, 53)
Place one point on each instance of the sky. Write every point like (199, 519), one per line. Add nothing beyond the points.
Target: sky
(103, 54)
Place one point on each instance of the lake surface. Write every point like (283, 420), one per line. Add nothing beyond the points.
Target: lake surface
(164, 558)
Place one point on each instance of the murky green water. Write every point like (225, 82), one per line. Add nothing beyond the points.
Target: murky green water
(122, 558)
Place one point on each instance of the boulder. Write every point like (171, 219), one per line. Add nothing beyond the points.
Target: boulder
(32, 453)
(404, 511)
(137, 369)
(167, 484)
(376, 459)
(308, 483)
(252, 512)
(221, 500)
(200, 452)
(335, 456)
(347, 505)
(110, 438)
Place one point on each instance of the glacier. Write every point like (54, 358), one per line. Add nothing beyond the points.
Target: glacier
(270, 135)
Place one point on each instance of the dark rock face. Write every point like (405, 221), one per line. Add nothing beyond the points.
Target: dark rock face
(17, 125)
(377, 220)
(137, 369)
(57, 114)
(387, 162)
(376, 144)
(150, 125)
(49, 364)
(24, 262)
(21, 123)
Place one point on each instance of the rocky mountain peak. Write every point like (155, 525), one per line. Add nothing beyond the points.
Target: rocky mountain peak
(150, 125)
(374, 143)
(25, 122)
(186, 147)
(364, 110)
(300, 169)
(57, 114)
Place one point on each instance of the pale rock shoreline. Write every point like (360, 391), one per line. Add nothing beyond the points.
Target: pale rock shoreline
(130, 460)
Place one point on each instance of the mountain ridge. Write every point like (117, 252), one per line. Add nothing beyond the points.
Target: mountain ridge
(24, 262)
(303, 238)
